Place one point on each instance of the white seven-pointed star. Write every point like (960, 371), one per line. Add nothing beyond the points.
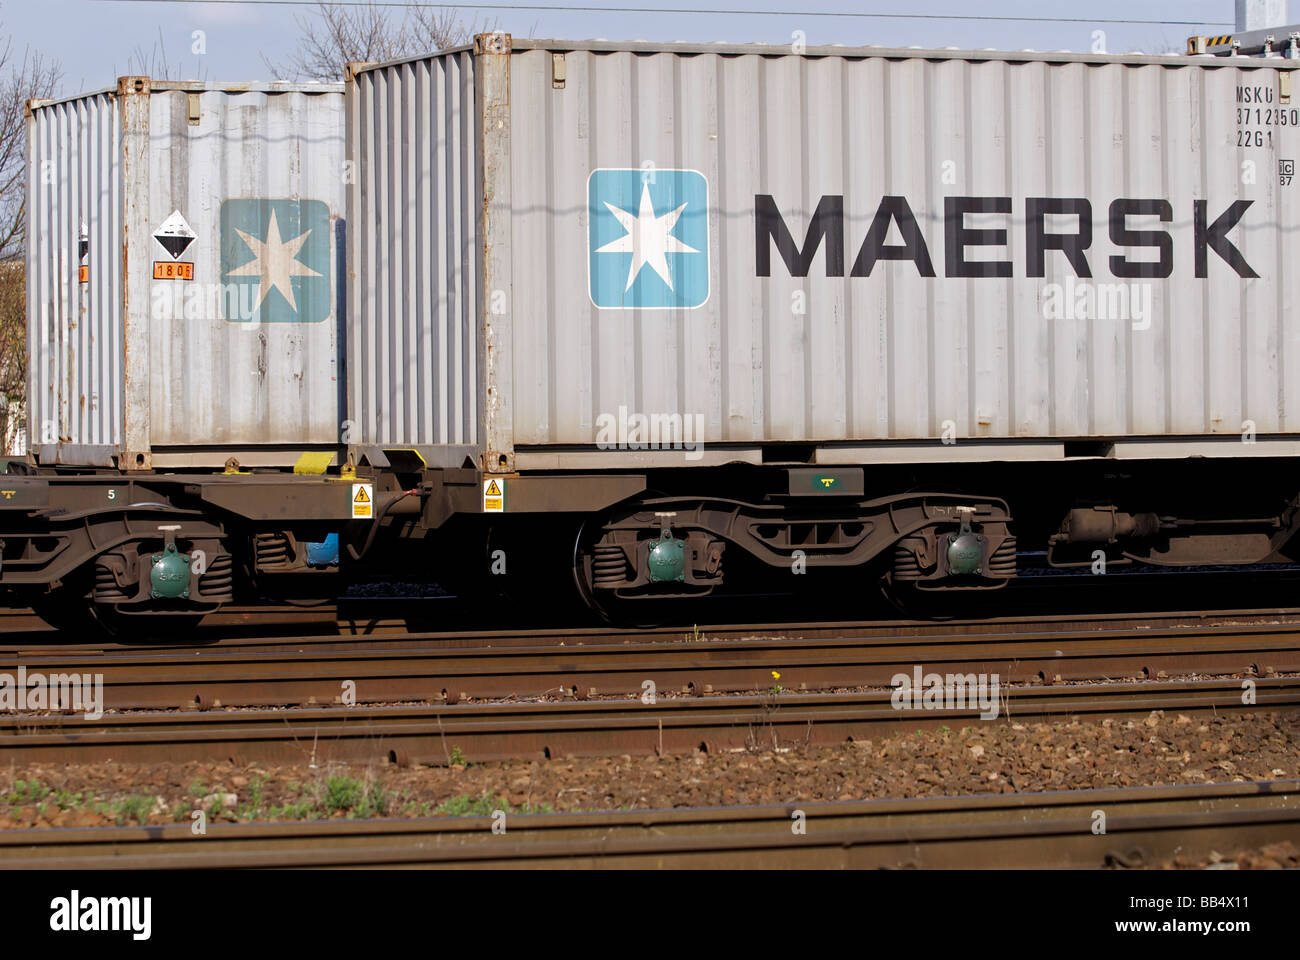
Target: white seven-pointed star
(274, 261)
(648, 238)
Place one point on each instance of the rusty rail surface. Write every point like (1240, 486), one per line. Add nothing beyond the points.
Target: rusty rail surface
(427, 668)
(1143, 825)
(269, 627)
(497, 731)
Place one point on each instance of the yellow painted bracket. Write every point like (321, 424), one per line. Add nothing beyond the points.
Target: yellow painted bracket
(314, 462)
(404, 460)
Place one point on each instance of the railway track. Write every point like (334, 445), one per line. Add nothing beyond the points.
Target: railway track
(432, 667)
(1142, 826)
(270, 626)
(430, 733)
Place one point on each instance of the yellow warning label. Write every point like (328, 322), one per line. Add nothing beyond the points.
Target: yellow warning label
(494, 495)
(363, 497)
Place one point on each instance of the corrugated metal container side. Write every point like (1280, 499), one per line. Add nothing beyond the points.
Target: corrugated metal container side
(415, 263)
(231, 345)
(220, 381)
(74, 329)
(862, 355)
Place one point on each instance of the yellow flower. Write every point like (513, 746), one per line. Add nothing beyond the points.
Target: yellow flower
(775, 675)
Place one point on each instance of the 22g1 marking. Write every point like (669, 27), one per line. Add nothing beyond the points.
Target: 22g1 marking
(1255, 124)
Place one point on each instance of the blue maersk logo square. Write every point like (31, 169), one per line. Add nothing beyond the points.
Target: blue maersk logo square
(648, 239)
(278, 251)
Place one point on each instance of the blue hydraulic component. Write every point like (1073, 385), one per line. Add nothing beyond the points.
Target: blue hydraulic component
(324, 553)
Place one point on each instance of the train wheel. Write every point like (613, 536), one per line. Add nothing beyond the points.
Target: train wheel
(617, 611)
(915, 604)
(521, 573)
(68, 611)
(155, 628)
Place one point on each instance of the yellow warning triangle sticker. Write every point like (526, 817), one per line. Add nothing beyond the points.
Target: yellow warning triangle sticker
(361, 496)
(493, 490)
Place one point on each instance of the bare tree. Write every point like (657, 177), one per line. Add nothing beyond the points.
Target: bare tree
(155, 63)
(20, 81)
(336, 35)
(13, 353)
(32, 77)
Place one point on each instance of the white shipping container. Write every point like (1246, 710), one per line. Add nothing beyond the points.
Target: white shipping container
(184, 273)
(868, 251)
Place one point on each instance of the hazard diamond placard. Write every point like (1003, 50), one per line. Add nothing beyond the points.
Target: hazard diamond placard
(363, 501)
(174, 235)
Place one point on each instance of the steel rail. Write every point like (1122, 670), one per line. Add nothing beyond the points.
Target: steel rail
(422, 668)
(1055, 829)
(238, 628)
(497, 731)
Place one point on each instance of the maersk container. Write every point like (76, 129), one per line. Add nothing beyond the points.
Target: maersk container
(835, 255)
(184, 264)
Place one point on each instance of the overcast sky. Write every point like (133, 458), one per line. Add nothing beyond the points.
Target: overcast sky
(94, 39)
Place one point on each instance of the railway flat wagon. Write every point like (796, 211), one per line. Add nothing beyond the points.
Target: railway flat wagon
(864, 308)
(185, 333)
(650, 323)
